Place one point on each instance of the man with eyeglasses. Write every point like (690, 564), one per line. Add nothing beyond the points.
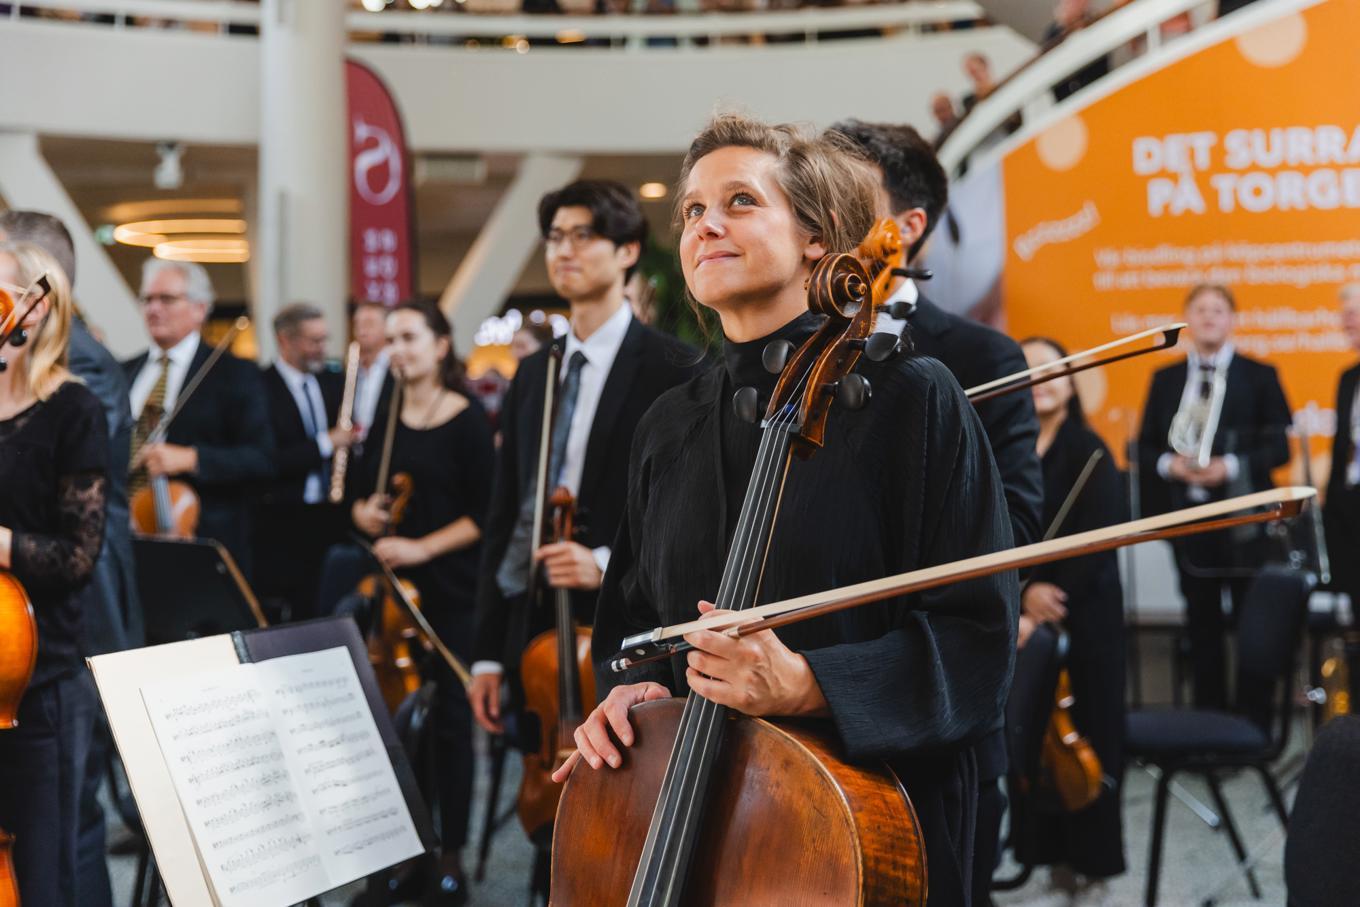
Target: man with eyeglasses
(220, 442)
(613, 367)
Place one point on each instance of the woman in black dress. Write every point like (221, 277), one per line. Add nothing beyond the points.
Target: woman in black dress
(1082, 595)
(54, 456)
(443, 442)
(905, 482)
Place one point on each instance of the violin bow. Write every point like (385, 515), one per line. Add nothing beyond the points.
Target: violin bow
(459, 669)
(663, 642)
(163, 426)
(1169, 334)
(541, 490)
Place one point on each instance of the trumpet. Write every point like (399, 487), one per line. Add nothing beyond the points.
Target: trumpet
(1195, 423)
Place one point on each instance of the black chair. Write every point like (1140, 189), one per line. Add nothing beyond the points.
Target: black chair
(1204, 742)
(1323, 847)
(1028, 710)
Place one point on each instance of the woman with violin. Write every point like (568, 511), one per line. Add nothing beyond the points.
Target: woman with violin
(1082, 595)
(904, 481)
(442, 444)
(54, 455)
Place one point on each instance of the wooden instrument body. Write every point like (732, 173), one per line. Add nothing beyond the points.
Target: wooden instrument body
(538, 793)
(1068, 759)
(393, 635)
(166, 507)
(18, 655)
(787, 822)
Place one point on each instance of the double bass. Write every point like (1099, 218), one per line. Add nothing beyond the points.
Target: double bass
(784, 817)
(168, 507)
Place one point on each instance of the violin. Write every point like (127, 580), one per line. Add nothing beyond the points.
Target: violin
(170, 507)
(392, 632)
(1070, 766)
(559, 690)
(668, 827)
(18, 655)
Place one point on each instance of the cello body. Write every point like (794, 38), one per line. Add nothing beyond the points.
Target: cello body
(538, 794)
(18, 655)
(787, 822)
(165, 507)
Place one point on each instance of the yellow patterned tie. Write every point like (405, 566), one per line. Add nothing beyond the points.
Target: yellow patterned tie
(146, 423)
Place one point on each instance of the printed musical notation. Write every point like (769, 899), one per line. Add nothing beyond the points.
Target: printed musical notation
(283, 777)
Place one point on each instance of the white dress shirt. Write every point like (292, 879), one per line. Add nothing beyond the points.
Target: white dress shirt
(368, 385)
(600, 349)
(1220, 362)
(304, 387)
(885, 323)
(181, 356)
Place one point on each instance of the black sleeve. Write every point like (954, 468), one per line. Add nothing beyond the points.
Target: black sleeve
(1154, 490)
(623, 608)
(62, 562)
(940, 677)
(1100, 504)
(247, 453)
(1269, 449)
(478, 461)
(492, 623)
(1013, 432)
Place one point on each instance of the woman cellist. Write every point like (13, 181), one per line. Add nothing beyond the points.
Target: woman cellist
(443, 443)
(905, 481)
(54, 455)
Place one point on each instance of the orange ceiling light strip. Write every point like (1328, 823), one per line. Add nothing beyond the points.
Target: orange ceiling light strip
(225, 250)
(151, 233)
(162, 207)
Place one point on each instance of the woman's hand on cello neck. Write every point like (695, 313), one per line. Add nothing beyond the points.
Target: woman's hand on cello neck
(756, 675)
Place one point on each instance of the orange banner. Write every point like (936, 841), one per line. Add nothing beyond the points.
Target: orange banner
(1238, 163)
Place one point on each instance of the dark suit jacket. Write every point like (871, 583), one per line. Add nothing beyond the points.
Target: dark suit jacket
(1252, 425)
(295, 454)
(1342, 514)
(648, 363)
(227, 422)
(112, 612)
(977, 354)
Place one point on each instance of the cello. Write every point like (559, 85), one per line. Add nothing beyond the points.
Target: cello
(667, 827)
(169, 507)
(559, 689)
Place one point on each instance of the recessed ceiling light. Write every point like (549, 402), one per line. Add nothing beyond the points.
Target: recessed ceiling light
(153, 232)
(652, 190)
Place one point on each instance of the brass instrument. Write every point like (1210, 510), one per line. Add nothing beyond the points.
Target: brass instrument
(1195, 423)
(340, 460)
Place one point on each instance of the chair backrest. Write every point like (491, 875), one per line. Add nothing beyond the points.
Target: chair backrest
(1323, 847)
(1269, 629)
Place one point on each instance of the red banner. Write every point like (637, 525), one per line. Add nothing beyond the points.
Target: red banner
(381, 212)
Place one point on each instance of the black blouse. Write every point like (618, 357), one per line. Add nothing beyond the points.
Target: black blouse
(905, 483)
(450, 465)
(54, 475)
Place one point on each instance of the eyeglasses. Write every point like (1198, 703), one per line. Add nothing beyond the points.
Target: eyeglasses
(166, 299)
(576, 236)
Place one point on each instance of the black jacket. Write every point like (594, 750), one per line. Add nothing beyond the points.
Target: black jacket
(227, 422)
(296, 454)
(1342, 514)
(976, 354)
(1252, 425)
(648, 363)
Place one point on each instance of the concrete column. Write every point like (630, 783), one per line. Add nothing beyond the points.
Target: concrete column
(488, 272)
(27, 181)
(303, 203)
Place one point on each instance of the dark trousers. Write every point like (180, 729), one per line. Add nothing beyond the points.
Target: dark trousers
(1206, 630)
(42, 762)
(92, 868)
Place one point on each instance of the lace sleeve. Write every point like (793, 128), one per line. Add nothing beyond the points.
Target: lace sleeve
(64, 562)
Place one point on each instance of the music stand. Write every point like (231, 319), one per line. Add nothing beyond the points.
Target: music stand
(191, 588)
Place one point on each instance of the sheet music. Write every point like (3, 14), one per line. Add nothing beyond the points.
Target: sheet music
(282, 776)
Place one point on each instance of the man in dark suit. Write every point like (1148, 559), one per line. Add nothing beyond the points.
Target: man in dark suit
(220, 443)
(1244, 409)
(613, 367)
(296, 522)
(110, 611)
(1342, 514)
(914, 192)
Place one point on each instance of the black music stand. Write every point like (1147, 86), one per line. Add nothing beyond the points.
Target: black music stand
(191, 588)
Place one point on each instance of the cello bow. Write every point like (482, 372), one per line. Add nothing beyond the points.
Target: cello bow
(664, 642)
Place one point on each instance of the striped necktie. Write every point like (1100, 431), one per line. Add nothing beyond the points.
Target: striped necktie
(152, 411)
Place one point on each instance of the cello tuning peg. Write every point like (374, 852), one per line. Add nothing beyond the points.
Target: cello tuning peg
(775, 355)
(901, 309)
(853, 391)
(882, 346)
(746, 404)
